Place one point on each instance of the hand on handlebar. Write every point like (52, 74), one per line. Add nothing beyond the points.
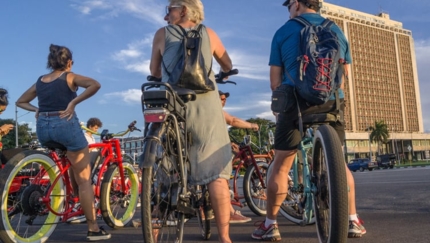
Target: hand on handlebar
(222, 77)
(132, 127)
(254, 126)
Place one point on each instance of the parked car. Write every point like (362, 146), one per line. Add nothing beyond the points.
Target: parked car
(386, 160)
(361, 165)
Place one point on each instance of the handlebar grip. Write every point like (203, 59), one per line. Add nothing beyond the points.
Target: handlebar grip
(153, 78)
(221, 75)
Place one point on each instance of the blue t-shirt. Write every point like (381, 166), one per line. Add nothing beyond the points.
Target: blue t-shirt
(286, 43)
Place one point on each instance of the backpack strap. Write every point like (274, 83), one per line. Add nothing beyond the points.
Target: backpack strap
(302, 20)
(327, 23)
(178, 33)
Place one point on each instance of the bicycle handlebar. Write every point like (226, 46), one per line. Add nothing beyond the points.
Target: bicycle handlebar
(130, 128)
(219, 78)
(153, 78)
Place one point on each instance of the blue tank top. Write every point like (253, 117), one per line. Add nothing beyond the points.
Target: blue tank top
(55, 95)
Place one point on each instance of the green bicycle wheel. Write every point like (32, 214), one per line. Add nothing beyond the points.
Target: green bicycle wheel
(118, 206)
(24, 180)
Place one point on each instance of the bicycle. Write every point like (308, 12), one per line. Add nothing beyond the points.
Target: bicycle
(46, 198)
(166, 195)
(254, 181)
(317, 185)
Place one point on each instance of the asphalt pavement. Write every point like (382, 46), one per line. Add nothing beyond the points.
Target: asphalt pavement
(394, 204)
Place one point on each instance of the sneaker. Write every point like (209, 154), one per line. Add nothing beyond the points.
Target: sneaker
(356, 229)
(138, 203)
(210, 216)
(237, 218)
(95, 236)
(136, 223)
(171, 222)
(77, 219)
(267, 234)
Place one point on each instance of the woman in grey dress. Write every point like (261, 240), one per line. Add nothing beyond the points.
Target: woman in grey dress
(210, 154)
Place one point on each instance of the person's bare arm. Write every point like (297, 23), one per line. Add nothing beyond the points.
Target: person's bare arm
(345, 75)
(219, 52)
(239, 123)
(25, 99)
(275, 76)
(75, 80)
(156, 57)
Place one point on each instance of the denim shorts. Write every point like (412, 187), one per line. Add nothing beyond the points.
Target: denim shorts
(63, 131)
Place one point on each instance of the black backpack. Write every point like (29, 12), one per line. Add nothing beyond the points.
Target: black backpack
(320, 68)
(189, 72)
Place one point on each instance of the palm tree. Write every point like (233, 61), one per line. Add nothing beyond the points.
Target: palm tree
(379, 133)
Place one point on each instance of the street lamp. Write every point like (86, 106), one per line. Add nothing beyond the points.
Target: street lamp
(369, 129)
(16, 126)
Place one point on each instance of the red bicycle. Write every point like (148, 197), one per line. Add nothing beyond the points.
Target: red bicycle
(254, 181)
(45, 198)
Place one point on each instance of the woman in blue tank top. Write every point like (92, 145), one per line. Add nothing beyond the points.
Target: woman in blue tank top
(58, 122)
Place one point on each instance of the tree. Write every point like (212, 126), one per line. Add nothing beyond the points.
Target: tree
(237, 134)
(379, 133)
(24, 134)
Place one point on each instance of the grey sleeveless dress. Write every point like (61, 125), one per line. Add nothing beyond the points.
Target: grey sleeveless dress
(210, 153)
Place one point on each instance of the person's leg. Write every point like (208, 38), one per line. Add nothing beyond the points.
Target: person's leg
(277, 186)
(356, 228)
(351, 191)
(73, 181)
(81, 167)
(220, 200)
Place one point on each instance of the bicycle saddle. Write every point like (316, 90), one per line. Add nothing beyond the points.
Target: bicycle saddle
(185, 94)
(54, 145)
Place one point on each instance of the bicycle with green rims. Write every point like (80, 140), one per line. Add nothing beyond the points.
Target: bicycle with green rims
(317, 190)
(46, 198)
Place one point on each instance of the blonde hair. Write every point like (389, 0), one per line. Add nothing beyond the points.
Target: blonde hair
(195, 12)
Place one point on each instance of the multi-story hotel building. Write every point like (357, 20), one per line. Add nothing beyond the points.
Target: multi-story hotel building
(382, 85)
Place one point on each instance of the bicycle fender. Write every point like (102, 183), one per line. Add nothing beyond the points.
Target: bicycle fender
(152, 147)
(150, 153)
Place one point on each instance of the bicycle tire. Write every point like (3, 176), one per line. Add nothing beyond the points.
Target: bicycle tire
(118, 207)
(18, 206)
(157, 213)
(329, 178)
(254, 193)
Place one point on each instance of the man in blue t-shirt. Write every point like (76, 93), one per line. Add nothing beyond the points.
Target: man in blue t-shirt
(283, 58)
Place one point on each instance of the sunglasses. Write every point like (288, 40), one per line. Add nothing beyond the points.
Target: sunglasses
(223, 99)
(170, 8)
(289, 5)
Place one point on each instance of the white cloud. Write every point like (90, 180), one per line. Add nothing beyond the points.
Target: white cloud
(131, 96)
(135, 58)
(149, 10)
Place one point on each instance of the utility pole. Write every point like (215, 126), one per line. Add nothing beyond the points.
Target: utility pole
(16, 126)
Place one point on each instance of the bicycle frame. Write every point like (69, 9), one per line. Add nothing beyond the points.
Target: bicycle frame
(245, 158)
(308, 188)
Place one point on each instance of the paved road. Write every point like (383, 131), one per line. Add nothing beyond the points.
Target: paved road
(394, 204)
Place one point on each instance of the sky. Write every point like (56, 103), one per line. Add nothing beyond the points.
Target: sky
(111, 42)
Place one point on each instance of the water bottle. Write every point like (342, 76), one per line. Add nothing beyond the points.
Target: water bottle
(271, 138)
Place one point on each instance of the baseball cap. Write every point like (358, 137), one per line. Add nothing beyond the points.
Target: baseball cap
(227, 94)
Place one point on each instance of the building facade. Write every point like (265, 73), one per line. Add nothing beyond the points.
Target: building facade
(382, 84)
